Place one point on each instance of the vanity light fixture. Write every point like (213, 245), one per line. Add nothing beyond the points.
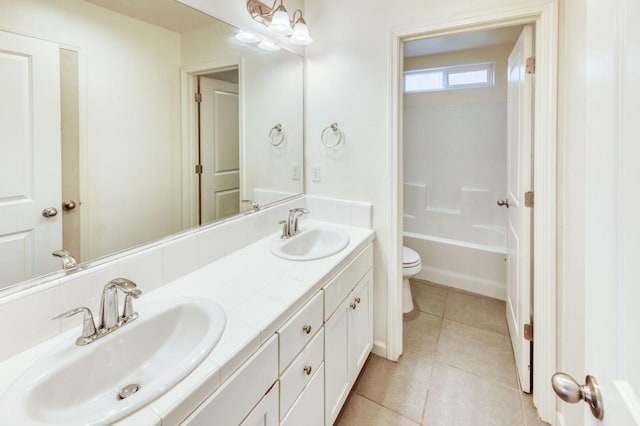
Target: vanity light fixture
(268, 46)
(276, 19)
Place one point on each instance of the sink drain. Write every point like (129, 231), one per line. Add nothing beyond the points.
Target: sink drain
(128, 390)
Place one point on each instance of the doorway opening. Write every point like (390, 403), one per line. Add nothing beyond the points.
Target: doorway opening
(544, 17)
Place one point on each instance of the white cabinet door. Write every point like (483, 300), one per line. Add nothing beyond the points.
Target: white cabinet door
(336, 359)
(266, 412)
(348, 341)
(360, 325)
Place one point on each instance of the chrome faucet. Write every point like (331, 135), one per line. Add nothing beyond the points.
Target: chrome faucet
(109, 317)
(110, 320)
(255, 206)
(290, 226)
(68, 261)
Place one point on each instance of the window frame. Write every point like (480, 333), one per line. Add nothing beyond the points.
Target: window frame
(453, 69)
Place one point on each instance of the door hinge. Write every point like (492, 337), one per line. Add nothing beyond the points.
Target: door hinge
(198, 97)
(528, 199)
(530, 66)
(528, 332)
(198, 169)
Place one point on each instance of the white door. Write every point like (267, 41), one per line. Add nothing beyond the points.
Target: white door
(219, 150)
(519, 106)
(606, 342)
(29, 157)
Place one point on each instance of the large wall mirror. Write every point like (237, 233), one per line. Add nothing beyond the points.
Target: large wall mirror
(124, 121)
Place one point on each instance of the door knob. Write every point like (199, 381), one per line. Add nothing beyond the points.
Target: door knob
(504, 203)
(49, 212)
(69, 205)
(570, 391)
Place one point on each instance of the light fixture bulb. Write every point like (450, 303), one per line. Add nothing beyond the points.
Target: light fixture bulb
(280, 22)
(247, 37)
(268, 45)
(300, 34)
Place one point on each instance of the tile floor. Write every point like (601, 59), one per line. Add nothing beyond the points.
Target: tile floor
(457, 368)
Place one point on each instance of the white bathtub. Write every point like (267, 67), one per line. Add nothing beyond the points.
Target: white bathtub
(476, 267)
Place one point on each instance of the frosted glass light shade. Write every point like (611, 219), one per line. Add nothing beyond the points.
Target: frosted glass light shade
(280, 23)
(300, 35)
(247, 37)
(267, 45)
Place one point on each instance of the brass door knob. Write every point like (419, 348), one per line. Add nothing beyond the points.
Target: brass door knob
(307, 369)
(504, 203)
(69, 205)
(306, 329)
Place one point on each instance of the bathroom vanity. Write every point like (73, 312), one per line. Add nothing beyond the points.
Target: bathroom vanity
(297, 335)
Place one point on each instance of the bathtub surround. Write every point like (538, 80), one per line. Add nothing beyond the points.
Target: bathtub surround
(152, 266)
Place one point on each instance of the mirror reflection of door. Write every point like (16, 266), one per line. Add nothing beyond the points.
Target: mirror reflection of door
(219, 147)
(29, 157)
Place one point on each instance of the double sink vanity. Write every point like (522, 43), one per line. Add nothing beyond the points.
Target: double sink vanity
(274, 333)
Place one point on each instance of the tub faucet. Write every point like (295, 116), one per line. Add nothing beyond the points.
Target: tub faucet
(290, 227)
(68, 261)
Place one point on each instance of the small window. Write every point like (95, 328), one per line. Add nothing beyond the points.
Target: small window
(448, 78)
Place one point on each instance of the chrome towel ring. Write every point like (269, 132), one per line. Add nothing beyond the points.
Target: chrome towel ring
(335, 134)
(276, 135)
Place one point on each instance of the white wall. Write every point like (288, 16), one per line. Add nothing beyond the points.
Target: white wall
(129, 74)
(455, 155)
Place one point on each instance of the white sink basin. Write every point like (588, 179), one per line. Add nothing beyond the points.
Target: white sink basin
(310, 244)
(80, 385)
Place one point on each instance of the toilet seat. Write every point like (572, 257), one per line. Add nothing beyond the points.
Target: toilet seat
(409, 258)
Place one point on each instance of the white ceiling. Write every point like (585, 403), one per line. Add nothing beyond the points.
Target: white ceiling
(167, 14)
(462, 41)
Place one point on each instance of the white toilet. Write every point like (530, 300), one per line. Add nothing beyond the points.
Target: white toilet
(411, 265)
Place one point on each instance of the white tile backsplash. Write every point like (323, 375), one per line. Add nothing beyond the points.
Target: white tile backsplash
(159, 264)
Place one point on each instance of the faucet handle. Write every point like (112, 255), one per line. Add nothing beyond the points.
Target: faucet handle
(285, 229)
(88, 326)
(127, 309)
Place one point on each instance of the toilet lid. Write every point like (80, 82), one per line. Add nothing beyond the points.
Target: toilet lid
(409, 256)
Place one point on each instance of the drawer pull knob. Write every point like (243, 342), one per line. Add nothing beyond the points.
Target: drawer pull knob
(307, 369)
(306, 329)
(357, 300)
(353, 305)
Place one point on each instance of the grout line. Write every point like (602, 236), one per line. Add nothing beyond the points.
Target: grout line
(388, 409)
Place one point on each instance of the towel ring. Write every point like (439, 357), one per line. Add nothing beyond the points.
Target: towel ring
(274, 132)
(335, 131)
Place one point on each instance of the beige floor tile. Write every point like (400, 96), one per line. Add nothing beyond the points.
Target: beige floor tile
(428, 297)
(460, 398)
(360, 411)
(420, 333)
(400, 386)
(531, 416)
(477, 311)
(483, 353)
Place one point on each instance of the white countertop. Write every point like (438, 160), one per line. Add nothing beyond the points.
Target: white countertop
(258, 292)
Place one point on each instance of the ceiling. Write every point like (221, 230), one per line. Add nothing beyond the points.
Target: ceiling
(168, 14)
(462, 41)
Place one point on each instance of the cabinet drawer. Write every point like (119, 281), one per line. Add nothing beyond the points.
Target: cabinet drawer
(299, 330)
(338, 288)
(309, 407)
(241, 392)
(300, 372)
